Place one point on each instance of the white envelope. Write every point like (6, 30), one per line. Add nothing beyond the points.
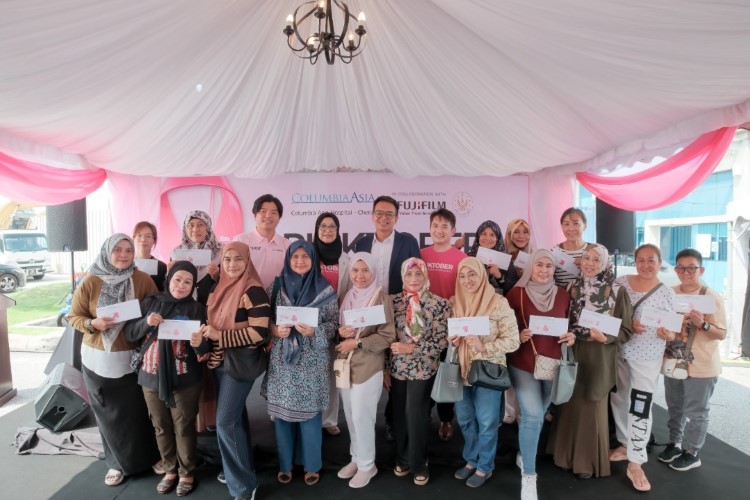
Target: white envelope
(521, 259)
(148, 266)
(475, 325)
(672, 321)
(488, 256)
(365, 316)
(286, 315)
(122, 311)
(197, 257)
(565, 261)
(602, 322)
(546, 325)
(176, 329)
(684, 303)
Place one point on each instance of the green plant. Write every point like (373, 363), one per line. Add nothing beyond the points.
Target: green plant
(37, 303)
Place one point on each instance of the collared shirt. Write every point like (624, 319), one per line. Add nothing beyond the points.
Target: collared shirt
(267, 256)
(381, 255)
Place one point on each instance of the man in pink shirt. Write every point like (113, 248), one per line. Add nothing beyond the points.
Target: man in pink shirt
(267, 248)
(442, 259)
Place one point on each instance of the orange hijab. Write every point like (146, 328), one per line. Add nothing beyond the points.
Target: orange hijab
(226, 295)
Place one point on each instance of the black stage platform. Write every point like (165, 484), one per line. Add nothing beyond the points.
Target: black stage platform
(725, 473)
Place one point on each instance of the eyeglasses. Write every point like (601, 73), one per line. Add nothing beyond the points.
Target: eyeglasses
(145, 236)
(325, 227)
(686, 269)
(379, 214)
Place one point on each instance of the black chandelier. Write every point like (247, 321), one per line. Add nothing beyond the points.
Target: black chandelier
(324, 38)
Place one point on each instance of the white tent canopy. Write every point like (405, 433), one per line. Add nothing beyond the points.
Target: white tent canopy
(469, 87)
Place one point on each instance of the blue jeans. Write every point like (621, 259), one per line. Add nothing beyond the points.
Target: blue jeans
(478, 415)
(533, 398)
(303, 438)
(233, 434)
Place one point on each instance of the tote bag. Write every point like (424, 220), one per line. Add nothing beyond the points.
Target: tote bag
(565, 379)
(448, 386)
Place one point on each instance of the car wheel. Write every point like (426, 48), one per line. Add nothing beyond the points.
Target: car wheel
(8, 283)
(38, 276)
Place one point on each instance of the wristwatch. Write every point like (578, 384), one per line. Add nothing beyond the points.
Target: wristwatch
(705, 326)
(359, 344)
(89, 326)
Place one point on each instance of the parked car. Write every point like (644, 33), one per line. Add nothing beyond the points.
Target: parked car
(11, 278)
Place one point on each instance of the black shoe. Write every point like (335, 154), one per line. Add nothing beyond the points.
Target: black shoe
(221, 478)
(684, 462)
(670, 453)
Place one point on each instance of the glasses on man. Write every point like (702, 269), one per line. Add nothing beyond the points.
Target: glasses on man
(686, 269)
(326, 227)
(379, 214)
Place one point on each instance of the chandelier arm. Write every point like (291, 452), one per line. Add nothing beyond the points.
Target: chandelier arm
(295, 23)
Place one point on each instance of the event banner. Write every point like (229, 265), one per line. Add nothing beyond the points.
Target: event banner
(351, 195)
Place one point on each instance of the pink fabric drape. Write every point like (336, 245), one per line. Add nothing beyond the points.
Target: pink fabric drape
(667, 182)
(226, 225)
(30, 182)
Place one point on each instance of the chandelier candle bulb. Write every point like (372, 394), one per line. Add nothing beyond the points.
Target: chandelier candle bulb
(361, 18)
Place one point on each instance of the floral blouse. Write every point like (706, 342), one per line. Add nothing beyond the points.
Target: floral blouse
(423, 363)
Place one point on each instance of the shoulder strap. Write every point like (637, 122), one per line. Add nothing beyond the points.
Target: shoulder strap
(274, 295)
(648, 294)
(523, 316)
(703, 290)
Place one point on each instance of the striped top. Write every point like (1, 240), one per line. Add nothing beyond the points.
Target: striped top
(251, 325)
(562, 277)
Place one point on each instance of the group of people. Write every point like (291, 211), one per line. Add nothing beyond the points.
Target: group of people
(133, 376)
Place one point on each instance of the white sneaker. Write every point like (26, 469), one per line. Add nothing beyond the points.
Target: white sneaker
(519, 461)
(362, 477)
(348, 471)
(528, 487)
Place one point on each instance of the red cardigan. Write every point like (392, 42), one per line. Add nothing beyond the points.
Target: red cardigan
(523, 358)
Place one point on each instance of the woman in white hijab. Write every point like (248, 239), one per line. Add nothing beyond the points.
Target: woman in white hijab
(365, 347)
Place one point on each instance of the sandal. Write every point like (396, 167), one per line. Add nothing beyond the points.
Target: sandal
(166, 484)
(113, 477)
(619, 454)
(185, 486)
(421, 478)
(284, 477)
(401, 470)
(311, 478)
(638, 479)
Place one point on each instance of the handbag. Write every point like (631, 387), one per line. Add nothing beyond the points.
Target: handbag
(448, 386)
(674, 368)
(544, 366)
(245, 363)
(565, 378)
(489, 375)
(136, 357)
(342, 369)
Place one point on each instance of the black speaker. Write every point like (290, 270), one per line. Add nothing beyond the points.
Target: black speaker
(62, 401)
(66, 227)
(615, 228)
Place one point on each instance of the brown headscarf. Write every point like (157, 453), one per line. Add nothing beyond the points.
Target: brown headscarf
(225, 297)
(479, 303)
(542, 295)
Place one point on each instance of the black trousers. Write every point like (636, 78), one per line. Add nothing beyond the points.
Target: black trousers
(411, 404)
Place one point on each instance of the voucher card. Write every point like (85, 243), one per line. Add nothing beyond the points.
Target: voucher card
(365, 316)
(545, 325)
(122, 311)
(565, 261)
(672, 321)
(148, 266)
(602, 322)
(175, 329)
(197, 257)
(286, 315)
(475, 325)
(521, 259)
(701, 303)
(488, 256)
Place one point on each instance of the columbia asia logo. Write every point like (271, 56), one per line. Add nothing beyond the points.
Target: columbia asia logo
(462, 203)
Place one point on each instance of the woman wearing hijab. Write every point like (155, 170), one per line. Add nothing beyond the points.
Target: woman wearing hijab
(518, 239)
(334, 264)
(421, 335)
(105, 357)
(478, 413)
(170, 375)
(367, 346)
(238, 320)
(197, 234)
(298, 377)
(535, 294)
(489, 235)
(579, 438)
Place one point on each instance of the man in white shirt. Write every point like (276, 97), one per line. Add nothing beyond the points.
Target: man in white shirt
(267, 248)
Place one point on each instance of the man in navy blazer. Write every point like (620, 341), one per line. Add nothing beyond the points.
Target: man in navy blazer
(388, 247)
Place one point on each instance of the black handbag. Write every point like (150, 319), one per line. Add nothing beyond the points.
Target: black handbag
(489, 375)
(245, 363)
